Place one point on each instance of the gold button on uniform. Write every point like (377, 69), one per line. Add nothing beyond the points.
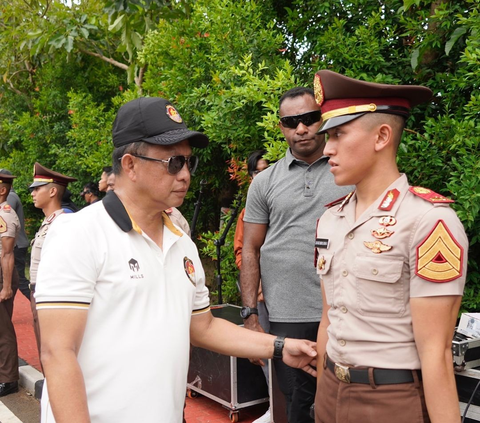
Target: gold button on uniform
(374, 271)
(343, 309)
(342, 342)
(350, 235)
(344, 273)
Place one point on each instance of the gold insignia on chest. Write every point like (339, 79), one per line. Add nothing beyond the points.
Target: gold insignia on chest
(439, 256)
(377, 247)
(387, 221)
(382, 233)
(321, 263)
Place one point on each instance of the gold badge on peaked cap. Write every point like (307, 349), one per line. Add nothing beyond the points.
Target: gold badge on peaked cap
(173, 114)
(318, 89)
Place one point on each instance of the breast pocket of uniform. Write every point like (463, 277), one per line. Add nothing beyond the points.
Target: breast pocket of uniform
(380, 286)
(324, 264)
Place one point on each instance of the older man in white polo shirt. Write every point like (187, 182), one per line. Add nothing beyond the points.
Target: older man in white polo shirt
(121, 290)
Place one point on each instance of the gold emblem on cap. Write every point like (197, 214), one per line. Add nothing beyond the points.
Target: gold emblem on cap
(382, 233)
(318, 89)
(377, 247)
(387, 221)
(173, 114)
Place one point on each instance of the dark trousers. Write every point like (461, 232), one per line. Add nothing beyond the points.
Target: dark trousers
(20, 255)
(8, 338)
(297, 386)
(340, 402)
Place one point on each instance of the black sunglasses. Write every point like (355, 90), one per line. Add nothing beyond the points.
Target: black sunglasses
(307, 119)
(175, 163)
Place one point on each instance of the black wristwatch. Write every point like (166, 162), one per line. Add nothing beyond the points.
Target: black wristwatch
(246, 312)
(278, 345)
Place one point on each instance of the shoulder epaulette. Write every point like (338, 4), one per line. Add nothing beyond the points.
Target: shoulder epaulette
(343, 200)
(429, 195)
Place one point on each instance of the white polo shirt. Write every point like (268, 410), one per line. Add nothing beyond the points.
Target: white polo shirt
(135, 350)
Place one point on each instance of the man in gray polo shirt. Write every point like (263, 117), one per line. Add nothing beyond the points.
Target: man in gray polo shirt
(283, 205)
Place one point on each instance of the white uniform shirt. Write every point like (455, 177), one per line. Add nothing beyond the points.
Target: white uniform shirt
(135, 350)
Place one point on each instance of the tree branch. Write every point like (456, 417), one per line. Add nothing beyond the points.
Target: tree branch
(106, 59)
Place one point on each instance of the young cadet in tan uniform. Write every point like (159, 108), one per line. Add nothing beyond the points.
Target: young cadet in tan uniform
(9, 228)
(392, 260)
(47, 190)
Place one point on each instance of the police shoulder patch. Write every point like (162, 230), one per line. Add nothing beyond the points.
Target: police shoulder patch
(429, 195)
(439, 256)
(3, 225)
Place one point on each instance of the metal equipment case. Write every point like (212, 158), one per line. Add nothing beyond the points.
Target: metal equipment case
(466, 358)
(233, 382)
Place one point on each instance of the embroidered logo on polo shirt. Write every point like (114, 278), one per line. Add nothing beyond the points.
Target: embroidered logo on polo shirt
(135, 268)
(189, 270)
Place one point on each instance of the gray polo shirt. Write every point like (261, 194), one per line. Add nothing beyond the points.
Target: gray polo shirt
(14, 201)
(289, 197)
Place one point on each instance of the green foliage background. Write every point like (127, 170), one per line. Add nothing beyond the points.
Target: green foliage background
(66, 70)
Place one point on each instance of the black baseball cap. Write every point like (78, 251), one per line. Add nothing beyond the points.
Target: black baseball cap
(153, 120)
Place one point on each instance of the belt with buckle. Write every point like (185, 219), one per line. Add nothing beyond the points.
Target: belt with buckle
(380, 376)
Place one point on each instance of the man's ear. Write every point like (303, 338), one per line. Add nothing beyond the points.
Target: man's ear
(52, 192)
(128, 166)
(384, 137)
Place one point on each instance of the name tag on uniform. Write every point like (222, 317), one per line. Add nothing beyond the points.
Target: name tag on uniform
(322, 243)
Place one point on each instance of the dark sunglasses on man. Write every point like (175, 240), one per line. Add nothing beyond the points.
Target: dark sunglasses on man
(175, 163)
(307, 119)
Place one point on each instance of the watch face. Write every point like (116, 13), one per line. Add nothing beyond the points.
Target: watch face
(244, 313)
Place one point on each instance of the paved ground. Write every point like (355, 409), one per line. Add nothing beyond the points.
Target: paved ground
(198, 410)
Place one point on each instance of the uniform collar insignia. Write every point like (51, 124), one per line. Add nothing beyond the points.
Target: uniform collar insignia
(389, 200)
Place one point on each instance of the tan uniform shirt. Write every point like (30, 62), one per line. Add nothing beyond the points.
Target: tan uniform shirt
(9, 223)
(9, 227)
(37, 244)
(370, 268)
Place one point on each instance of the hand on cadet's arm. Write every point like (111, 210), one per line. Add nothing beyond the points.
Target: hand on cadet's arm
(301, 354)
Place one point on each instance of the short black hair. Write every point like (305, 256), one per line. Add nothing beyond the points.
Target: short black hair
(253, 159)
(296, 92)
(93, 188)
(107, 169)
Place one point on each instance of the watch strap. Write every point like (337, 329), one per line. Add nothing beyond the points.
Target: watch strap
(246, 312)
(278, 345)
